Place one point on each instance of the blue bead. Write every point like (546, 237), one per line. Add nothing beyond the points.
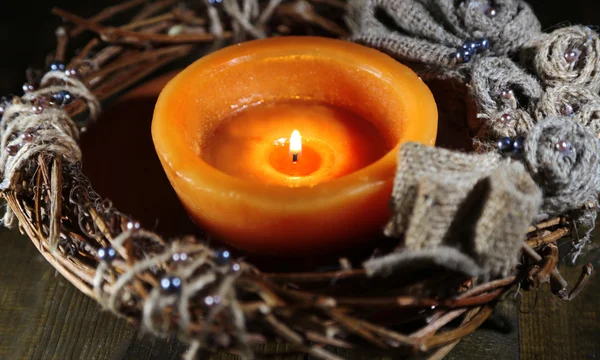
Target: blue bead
(463, 56)
(222, 257)
(519, 144)
(471, 45)
(62, 97)
(57, 66)
(170, 284)
(484, 45)
(505, 145)
(107, 254)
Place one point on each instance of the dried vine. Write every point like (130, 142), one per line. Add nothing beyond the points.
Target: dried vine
(213, 301)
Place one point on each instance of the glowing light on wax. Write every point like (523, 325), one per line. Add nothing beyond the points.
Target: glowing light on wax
(295, 145)
(355, 106)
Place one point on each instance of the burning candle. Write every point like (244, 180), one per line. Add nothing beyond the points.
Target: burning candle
(251, 144)
(288, 145)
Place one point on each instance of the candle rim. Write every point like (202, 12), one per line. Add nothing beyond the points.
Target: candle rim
(194, 169)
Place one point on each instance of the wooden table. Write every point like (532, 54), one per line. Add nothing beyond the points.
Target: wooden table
(42, 316)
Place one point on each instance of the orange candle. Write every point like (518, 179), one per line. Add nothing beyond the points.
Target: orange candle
(288, 145)
(256, 144)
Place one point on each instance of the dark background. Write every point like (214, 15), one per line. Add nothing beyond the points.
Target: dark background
(43, 317)
(27, 29)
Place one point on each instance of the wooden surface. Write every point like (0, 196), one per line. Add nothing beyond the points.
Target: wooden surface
(43, 317)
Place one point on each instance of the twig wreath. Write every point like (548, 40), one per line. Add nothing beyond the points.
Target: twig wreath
(529, 100)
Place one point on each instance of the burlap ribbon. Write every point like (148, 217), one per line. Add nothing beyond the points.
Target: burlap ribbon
(575, 102)
(569, 55)
(564, 159)
(429, 32)
(479, 205)
(543, 87)
(504, 96)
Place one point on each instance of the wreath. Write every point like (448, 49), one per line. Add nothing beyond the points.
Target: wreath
(527, 101)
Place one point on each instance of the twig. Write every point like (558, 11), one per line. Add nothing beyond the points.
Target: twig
(551, 261)
(393, 302)
(37, 194)
(111, 34)
(153, 8)
(314, 336)
(443, 351)
(84, 52)
(75, 280)
(187, 17)
(546, 239)
(302, 9)
(558, 285)
(136, 59)
(317, 277)
(586, 272)
(107, 13)
(268, 12)
(448, 337)
(412, 341)
(488, 286)
(106, 54)
(101, 226)
(474, 300)
(56, 202)
(321, 353)
(546, 224)
(355, 326)
(289, 334)
(531, 253)
(410, 301)
(438, 323)
(61, 47)
(150, 21)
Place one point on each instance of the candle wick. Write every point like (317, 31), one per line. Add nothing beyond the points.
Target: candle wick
(295, 145)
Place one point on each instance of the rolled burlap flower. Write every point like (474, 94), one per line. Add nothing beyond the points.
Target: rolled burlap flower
(570, 55)
(407, 17)
(578, 103)
(498, 84)
(507, 23)
(498, 125)
(443, 34)
(563, 158)
(404, 29)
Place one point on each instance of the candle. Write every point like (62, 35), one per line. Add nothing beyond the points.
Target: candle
(288, 145)
(251, 144)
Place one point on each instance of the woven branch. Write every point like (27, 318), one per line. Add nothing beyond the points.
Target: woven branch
(184, 286)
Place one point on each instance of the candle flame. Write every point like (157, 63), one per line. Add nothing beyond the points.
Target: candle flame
(295, 145)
